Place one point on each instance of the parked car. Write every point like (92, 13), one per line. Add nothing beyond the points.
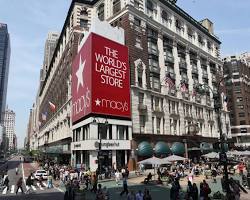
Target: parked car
(40, 172)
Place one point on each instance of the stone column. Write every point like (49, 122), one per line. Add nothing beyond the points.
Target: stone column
(176, 67)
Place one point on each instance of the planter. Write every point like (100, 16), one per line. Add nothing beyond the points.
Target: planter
(80, 196)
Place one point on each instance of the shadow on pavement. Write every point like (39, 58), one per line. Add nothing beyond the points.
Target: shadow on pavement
(156, 191)
(35, 196)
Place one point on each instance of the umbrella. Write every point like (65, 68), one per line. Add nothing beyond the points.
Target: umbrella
(246, 153)
(236, 153)
(154, 161)
(211, 155)
(174, 158)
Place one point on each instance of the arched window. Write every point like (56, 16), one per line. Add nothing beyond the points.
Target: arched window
(101, 12)
(116, 6)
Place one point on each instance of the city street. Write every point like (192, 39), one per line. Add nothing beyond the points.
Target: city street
(38, 193)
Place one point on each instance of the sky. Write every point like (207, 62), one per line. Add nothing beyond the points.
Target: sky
(29, 21)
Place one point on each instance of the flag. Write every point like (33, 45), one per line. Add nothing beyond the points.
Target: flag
(183, 87)
(169, 81)
(52, 106)
(44, 116)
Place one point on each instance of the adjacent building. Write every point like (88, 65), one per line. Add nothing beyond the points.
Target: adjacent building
(238, 68)
(4, 65)
(170, 55)
(49, 49)
(9, 124)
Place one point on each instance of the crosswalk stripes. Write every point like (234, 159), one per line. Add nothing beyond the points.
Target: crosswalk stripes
(5, 190)
(12, 189)
(38, 184)
(34, 188)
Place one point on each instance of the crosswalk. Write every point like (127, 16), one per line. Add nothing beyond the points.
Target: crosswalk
(33, 188)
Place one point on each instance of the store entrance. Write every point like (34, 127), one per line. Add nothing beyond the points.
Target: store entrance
(120, 159)
(106, 161)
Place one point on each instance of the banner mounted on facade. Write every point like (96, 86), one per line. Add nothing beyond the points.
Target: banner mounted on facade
(101, 79)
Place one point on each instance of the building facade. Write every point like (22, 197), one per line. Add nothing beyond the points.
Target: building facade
(237, 67)
(4, 65)
(170, 54)
(49, 49)
(9, 124)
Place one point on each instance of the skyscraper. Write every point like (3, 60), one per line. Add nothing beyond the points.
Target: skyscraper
(9, 124)
(4, 65)
(49, 48)
(238, 94)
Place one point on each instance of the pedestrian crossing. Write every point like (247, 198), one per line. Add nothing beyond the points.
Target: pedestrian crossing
(33, 188)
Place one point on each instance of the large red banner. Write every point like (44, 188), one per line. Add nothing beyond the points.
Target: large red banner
(101, 79)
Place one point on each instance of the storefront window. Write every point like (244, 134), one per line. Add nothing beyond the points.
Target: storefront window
(105, 131)
(122, 132)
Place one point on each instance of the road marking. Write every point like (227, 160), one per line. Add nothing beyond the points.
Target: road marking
(41, 188)
(27, 187)
(33, 187)
(45, 184)
(23, 175)
(59, 189)
(12, 189)
(5, 190)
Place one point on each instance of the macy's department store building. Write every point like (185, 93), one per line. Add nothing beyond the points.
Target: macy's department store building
(102, 126)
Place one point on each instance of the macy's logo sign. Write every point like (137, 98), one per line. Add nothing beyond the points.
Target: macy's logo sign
(114, 105)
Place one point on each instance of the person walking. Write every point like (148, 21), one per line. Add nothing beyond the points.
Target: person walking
(117, 177)
(131, 195)
(6, 182)
(125, 186)
(99, 194)
(28, 183)
(147, 195)
(16, 170)
(139, 195)
(19, 185)
(201, 191)
(174, 191)
(94, 183)
(189, 190)
(206, 190)
(50, 181)
(195, 192)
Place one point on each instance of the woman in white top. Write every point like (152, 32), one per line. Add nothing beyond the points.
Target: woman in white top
(117, 177)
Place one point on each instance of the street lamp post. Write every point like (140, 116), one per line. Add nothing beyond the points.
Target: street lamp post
(217, 108)
(103, 128)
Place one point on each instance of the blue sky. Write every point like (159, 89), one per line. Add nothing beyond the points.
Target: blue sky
(30, 20)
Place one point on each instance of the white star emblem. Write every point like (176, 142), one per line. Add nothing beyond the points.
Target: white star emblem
(79, 73)
(97, 102)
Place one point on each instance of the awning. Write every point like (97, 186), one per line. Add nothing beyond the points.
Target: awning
(145, 149)
(162, 148)
(178, 148)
